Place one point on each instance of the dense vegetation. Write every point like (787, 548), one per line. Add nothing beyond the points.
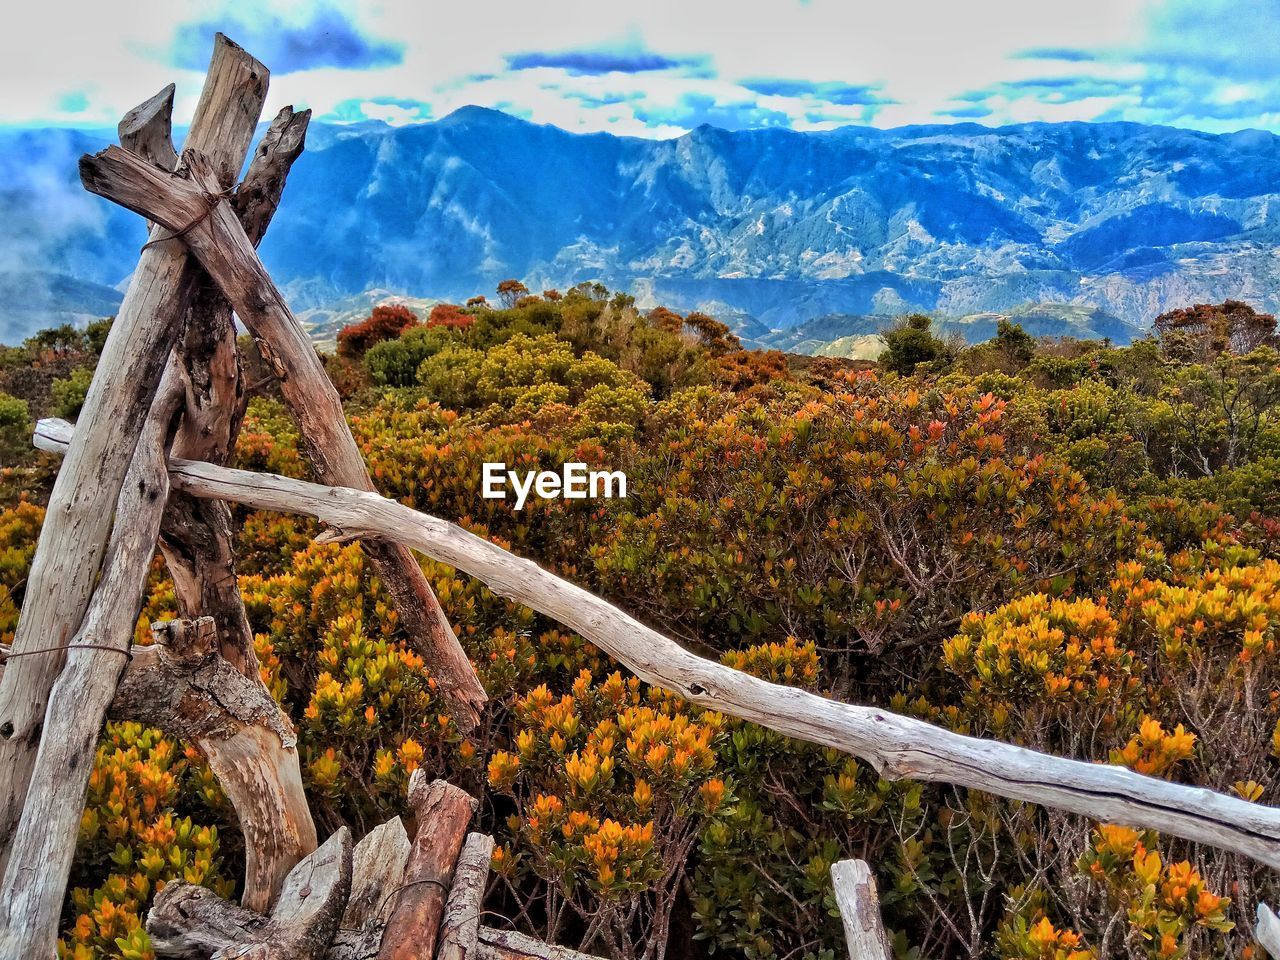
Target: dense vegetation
(1058, 543)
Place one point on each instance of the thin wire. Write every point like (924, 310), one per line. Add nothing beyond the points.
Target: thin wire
(75, 646)
(412, 883)
(211, 202)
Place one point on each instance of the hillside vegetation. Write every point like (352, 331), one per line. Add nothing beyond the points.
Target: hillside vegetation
(1056, 542)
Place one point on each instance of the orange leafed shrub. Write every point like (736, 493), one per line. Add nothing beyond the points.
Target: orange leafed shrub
(386, 322)
(449, 315)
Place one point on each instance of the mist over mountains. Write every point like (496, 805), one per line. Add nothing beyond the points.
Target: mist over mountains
(768, 229)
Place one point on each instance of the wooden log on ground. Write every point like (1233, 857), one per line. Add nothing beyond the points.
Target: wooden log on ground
(81, 506)
(1267, 931)
(182, 685)
(191, 922)
(377, 872)
(898, 747)
(44, 842)
(859, 904)
(510, 945)
(215, 236)
(442, 812)
(460, 928)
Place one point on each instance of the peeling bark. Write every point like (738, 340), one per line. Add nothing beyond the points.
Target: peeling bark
(182, 685)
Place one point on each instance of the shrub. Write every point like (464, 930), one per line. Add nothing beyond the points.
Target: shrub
(911, 344)
(386, 322)
(15, 429)
(69, 394)
(394, 363)
(449, 315)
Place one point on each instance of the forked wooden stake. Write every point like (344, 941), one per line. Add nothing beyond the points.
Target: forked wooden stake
(189, 205)
(81, 508)
(258, 766)
(196, 534)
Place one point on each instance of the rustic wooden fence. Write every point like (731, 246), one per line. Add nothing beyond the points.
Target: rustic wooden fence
(145, 466)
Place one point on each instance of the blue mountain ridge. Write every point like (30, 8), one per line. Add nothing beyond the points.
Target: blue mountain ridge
(768, 228)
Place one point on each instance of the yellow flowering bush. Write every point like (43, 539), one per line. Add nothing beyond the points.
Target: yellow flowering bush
(133, 828)
(610, 785)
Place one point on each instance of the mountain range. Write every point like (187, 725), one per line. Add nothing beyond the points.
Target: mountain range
(767, 229)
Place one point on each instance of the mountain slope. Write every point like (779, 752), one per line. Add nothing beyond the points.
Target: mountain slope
(768, 228)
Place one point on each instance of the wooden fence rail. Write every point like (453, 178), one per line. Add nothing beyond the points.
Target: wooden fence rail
(897, 746)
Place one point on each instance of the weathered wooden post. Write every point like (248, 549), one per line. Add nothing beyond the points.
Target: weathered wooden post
(859, 904)
(43, 846)
(254, 754)
(82, 505)
(460, 926)
(443, 812)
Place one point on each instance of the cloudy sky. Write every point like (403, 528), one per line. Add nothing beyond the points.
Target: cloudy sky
(660, 67)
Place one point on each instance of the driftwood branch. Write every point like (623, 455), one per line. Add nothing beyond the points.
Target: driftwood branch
(196, 535)
(460, 928)
(214, 234)
(44, 843)
(897, 746)
(192, 922)
(1267, 931)
(258, 764)
(510, 945)
(859, 905)
(442, 812)
(377, 870)
(81, 506)
(182, 685)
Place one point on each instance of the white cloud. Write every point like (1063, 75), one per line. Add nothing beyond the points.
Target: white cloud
(919, 56)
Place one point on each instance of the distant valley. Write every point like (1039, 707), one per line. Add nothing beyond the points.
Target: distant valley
(804, 241)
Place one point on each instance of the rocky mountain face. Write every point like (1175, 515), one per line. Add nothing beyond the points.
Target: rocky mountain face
(768, 229)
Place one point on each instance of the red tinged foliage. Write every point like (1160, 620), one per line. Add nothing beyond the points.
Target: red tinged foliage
(449, 315)
(386, 322)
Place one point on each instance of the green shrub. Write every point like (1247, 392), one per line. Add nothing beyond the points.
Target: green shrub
(394, 363)
(15, 429)
(69, 393)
